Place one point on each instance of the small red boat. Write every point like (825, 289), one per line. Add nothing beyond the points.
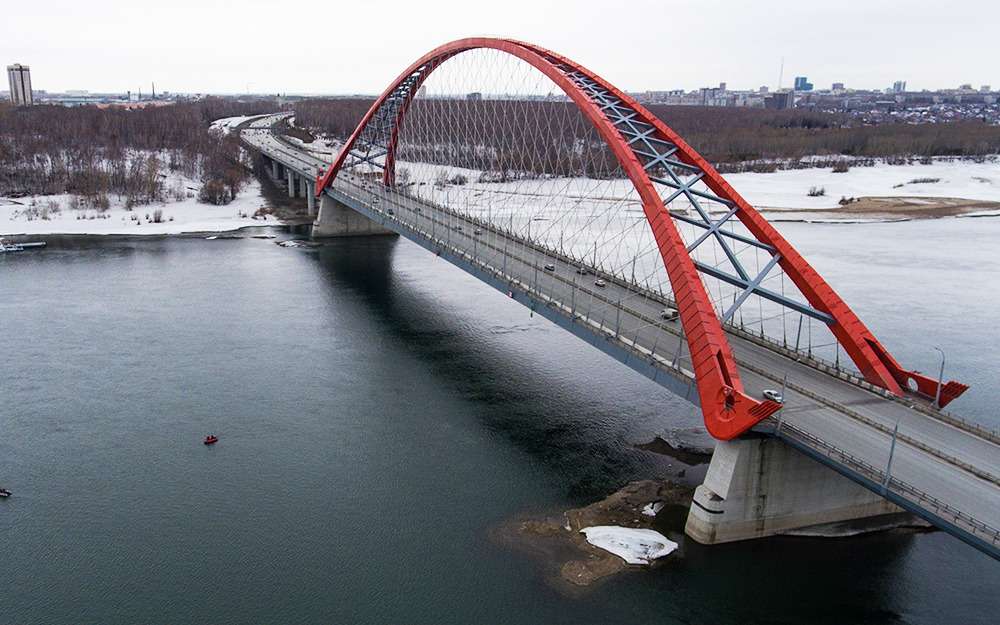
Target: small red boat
(211, 439)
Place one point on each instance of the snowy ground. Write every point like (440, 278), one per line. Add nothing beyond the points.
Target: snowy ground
(179, 216)
(635, 546)
(790, 188)
(787, 189)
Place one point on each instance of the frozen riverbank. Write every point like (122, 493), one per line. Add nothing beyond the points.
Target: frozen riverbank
(880, 192)
(53, 214)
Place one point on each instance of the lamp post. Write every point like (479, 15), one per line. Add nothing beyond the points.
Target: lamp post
(937, 395)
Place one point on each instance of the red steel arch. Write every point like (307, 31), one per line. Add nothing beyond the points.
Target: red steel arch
(727, 410)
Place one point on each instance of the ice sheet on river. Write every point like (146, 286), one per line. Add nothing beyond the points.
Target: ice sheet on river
(635, 546)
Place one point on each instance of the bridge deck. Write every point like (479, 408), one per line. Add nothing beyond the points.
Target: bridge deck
(945, 471)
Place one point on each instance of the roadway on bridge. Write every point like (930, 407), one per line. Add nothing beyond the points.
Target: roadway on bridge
(947, 469)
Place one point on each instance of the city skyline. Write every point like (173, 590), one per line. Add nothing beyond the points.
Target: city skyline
(170, 50)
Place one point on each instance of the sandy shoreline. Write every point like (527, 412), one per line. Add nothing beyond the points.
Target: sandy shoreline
(899, 208)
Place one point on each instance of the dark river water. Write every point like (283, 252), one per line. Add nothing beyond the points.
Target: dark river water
(379, 413)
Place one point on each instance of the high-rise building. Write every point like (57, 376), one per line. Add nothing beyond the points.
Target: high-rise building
(784, 99)
(899, 86)
(19, 79)
(802, 84)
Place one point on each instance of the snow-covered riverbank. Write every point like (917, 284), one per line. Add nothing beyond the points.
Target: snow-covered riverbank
(52, 214)
(893, 192)
(790, 188)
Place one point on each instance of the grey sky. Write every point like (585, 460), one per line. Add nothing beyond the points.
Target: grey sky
(332, 46)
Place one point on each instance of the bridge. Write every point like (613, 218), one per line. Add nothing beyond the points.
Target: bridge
(551, 185)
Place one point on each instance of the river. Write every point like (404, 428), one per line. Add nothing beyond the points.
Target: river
(380, 412)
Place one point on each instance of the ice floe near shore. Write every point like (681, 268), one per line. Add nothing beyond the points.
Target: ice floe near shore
(635, 546)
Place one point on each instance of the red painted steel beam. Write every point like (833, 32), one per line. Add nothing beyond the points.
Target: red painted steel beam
(728, 411)
(871, 357)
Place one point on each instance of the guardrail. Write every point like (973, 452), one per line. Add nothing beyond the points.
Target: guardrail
(671, 366)
(902, 489)
(805, 358)
(785, 430)
(885, 429)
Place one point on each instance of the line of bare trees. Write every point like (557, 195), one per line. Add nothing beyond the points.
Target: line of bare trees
(96, 153)
(728, 137)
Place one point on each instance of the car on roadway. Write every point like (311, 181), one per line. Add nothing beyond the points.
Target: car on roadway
(477, 231)
(390, 211)
(582, 270)
(668, 313)
(600, 282)
(550, 267)
(773, 395)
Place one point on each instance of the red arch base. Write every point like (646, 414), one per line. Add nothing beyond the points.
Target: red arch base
(727, 410)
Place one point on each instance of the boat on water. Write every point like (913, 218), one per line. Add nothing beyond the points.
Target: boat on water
(211, 439)
(12, 246)
(7, 246)
(5, 493)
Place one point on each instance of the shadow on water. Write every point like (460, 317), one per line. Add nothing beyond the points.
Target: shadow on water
(813, 580)
(573, 437)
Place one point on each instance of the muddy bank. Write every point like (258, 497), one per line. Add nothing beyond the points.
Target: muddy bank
(886, 209)
(691, 456)
(570, 562)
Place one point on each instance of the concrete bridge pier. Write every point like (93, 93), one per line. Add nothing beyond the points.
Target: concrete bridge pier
(757, 487)
(310, 191)
(291, 182)
(275, 169)
(338, 220)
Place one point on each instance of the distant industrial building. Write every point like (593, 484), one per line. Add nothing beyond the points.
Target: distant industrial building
(474, 95)
(837, 86)
(802, 84)
(19, 79)
(899, 86)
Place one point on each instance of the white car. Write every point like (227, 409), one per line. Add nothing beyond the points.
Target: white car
(668, 313)
(550, 267)
(600, 282)
(773, 395)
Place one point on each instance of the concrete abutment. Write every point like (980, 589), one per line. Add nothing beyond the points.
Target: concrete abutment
(757, 487)
(338, 220)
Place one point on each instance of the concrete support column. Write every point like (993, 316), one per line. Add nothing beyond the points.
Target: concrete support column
(310, 191)
(291, 182)
(337, 220)
(758, 487)
(275, 169)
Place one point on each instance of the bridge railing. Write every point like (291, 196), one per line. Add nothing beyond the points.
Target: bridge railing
(894, 485)
(802, 357)
(672, 364)
(900, 488)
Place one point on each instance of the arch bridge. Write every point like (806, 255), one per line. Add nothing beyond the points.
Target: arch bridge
(550, 184)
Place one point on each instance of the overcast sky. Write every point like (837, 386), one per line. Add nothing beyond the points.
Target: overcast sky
(331, 46)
